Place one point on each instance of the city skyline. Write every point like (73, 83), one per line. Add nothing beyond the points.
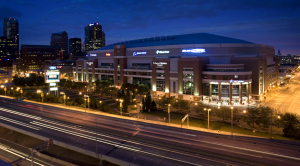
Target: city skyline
(273, 23)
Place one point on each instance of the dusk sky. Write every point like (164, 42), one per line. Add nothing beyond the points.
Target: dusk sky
(274, 22)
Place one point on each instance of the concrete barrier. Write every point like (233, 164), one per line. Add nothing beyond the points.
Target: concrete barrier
(71, 147)
(53, 159)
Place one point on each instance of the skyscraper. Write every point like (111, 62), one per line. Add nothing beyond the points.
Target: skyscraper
(75, 45)
(11, 31)
(6, 52)
(60, 40)
(94, 37)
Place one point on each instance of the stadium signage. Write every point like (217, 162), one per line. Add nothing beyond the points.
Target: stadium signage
(160, 63)
(162, 52)
(236, 81)
(139, 53)
(194, 50)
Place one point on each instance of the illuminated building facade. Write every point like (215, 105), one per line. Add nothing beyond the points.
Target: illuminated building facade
(206, 67)
(34, 56)
(94, 37)
(6, 52)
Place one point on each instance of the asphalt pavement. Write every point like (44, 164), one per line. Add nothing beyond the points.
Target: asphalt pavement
(143, 143)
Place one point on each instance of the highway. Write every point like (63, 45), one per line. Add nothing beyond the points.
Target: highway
(142, 143)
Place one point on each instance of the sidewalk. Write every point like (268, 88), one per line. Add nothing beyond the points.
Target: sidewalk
(135, 119)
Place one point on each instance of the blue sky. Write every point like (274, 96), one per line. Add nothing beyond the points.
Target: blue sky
(270, 22)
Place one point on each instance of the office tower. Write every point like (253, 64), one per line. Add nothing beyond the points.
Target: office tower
(11, 31)
(60, 40)
(75, 45)
(94, 37)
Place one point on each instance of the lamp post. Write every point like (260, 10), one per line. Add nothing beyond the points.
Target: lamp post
(231, 121)
(5, 89)
(42, 95)
(21, 91)
(169, 105)
(278, 120)
(207, 117)
(177, 104)
(13, 92)
(244, 114)
(121, 106)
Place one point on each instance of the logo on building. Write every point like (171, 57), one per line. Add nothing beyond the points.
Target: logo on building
(160, 63)
(236, 81)
(194, 50)
(89, 63)
(162, 52)
(93, 54)
(52, 67)
(139, 53)
(107, 54)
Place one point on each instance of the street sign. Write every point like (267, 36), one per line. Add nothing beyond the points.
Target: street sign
(53, 89)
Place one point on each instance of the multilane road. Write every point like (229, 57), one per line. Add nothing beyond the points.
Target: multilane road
(141, 143)
(286, 99)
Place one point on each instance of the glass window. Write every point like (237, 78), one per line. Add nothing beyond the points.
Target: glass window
(246, 77)
(160, 74)
(184, 69)
(188, 76)
(214, 77)
(236, 77)
(204, 76)
(160, 85)
(225, 78)
(215, 89)
(188, 87)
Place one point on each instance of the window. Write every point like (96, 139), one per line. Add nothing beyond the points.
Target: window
(225, 78)
(160, 85)
(246, 77)
(141, 64)
(214, 77)
(184, 69)
(188, 87)
(160, 74)
(143, 73)
(188, 76)
(236, 77)
(204, 76)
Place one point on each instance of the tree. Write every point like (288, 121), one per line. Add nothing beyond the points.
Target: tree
(148, 101)
(290, 122)
(224, 112)
(164, 101)
(264, 116)
(253, 115)
(199, 108)
(153, 105)
(184, 105)
(143, 104)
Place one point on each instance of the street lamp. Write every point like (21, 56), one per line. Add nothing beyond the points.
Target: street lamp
(231, 121)
(177, 105)
(278, 120)
(5, 89)
(169, 105)
(207, 117)
(121, 105)
(13, 92)
(244, 114)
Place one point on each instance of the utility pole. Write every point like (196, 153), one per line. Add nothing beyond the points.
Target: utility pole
(169, 113)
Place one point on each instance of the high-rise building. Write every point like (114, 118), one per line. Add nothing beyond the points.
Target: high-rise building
(94, 37)
(60, 40)
(11, 31)
(34, 56)
(75, 45)
(6, 52)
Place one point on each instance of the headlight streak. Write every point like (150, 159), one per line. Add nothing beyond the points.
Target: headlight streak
(20, 154)
(19, 123)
